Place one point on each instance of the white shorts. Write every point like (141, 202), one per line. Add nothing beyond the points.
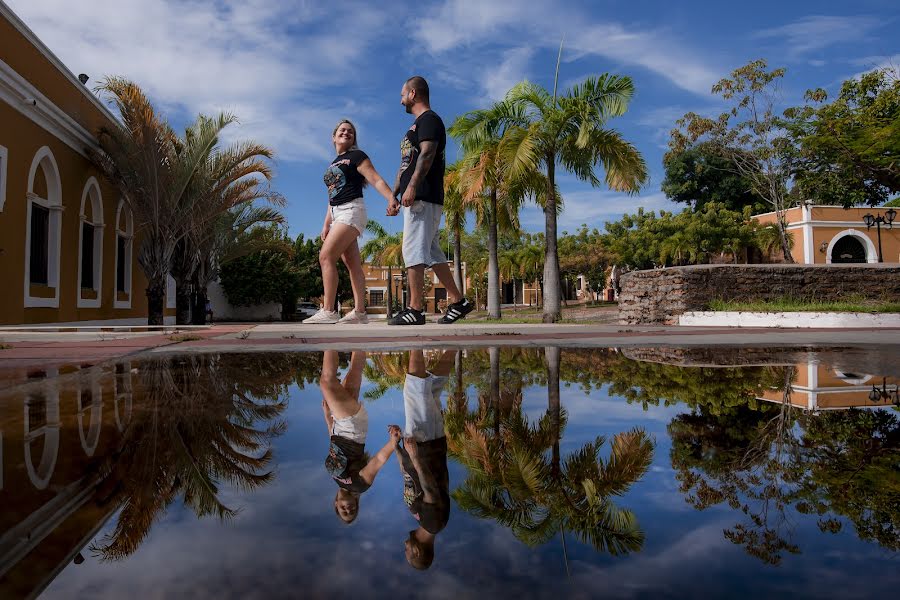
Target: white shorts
(354, 428)
(421, 239)
(422, 407)
(351, 213)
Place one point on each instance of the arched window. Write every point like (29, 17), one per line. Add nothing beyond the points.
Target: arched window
(4, 158)
(42, 423)
(123, 395)
(90, 402)
(43, 228)
(90, 246)
(124, 248)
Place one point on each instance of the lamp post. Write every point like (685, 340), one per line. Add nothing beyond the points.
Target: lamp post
(869, 219)
(884, 393)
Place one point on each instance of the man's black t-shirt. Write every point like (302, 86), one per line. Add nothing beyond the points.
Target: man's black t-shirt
(344, 181)
(432, 517)
(346, 459)
(428, 126)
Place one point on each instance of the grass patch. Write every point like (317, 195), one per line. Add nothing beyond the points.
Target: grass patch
(851, 304)
(185, 338)
(5, 347)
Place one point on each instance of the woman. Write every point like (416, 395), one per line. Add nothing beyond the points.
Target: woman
(348, 427)
(345, 221)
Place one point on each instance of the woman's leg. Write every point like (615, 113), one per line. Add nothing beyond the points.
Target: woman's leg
(353, 379)
(339, 239)
(353, 261)
(340, 402)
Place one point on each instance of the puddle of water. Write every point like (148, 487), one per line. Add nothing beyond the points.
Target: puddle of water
(530, 471)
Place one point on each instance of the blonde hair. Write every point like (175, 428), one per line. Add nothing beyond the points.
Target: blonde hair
(355, 145)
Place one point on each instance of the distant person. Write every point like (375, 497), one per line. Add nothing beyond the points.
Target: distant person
(348, 425)
(423, 456)
(209, 311)
(345, 221)
(420, 185)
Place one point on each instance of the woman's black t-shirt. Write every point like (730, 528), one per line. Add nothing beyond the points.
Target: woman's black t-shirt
(343, 179)
(346, 459)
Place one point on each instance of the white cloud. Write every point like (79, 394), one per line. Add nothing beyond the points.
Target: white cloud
(463, 23)
(815, 32)
(496, 80)
(267, 62)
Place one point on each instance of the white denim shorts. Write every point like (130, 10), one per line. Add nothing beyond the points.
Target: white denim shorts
(422, 407)
(351, 213)
(421, 242)
(354, 428)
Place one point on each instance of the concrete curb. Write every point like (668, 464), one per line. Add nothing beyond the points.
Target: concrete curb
(789, 320)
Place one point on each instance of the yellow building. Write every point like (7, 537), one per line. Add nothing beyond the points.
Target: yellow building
(819, 387)
(831, 234)
(68, 243)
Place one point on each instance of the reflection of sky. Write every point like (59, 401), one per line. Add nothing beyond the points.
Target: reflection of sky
(287, 541)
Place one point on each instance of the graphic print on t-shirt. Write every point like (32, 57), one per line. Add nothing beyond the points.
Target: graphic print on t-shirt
(335, 180)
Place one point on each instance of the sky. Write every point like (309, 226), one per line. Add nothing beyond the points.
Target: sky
(291, 69)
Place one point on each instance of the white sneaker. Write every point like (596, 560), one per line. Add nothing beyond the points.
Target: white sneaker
(323, 317)
(354, 318)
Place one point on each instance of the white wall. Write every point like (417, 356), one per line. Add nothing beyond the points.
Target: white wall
(223, 310)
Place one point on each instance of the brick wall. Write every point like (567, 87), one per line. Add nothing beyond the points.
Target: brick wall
(659, 296)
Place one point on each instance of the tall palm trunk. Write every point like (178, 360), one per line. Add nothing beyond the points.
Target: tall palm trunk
(551, 285)
(200, 298)
(494, 355)
(183, 304)
(493, 299)
(156, 300)
(553, 405)
(457, 261)
(390, 293)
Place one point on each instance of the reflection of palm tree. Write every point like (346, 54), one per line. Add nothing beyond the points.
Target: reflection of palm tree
(388, 370)
(512, 481)
(192, 429)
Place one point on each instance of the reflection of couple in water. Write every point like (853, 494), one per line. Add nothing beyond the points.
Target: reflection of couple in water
(421, 453)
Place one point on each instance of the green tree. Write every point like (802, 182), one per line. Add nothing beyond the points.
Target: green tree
(701, 175)
(583, 253)
(750, 136)
(850, 147)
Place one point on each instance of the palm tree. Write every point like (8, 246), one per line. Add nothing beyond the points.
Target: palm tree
(229, 177)
(153, 170)
(546, 130)
(385, 250)
(488, 185)
(455, 215)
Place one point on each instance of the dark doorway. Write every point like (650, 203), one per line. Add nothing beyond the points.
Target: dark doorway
(440, 294)
(848, 249)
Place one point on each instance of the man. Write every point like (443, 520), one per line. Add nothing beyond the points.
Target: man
(420, 185)
(423, 456)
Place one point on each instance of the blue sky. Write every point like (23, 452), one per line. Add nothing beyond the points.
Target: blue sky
(291, 69)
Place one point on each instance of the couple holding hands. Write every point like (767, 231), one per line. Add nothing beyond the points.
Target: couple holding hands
(420, 187)
(420, 447)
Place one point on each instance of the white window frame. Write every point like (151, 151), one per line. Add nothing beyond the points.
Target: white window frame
(128, 235)
(97, 260)
(44, 158)
(4, 159)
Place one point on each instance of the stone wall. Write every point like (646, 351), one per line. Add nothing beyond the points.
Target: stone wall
(658, 296)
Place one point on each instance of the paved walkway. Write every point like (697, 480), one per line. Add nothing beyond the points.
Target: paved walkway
(40, 354)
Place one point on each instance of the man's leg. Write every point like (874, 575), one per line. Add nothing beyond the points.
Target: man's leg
(415, 277)
(445, 276)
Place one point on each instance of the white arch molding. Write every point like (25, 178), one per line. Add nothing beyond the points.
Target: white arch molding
(126, 234)
(122, 395)
(89, 441)
(49, 431)
(44, 159)
(91, 193)
(868, 244)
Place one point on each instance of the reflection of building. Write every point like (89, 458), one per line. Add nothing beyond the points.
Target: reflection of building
(831, 234)
(820, 387)
(56, 442)
(68, 244)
